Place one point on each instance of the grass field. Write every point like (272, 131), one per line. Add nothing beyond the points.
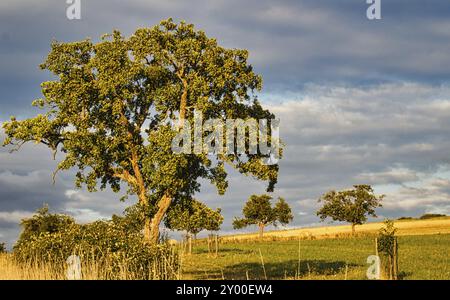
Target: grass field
(420, 257)
(324, 253)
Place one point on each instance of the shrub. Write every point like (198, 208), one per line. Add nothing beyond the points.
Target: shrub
(387, 246)
(110, 244)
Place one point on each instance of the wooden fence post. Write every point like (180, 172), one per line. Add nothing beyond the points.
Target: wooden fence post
(395, 259)
(376, 246)
(217, 245)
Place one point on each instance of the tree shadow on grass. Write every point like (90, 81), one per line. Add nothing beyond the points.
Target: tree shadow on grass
(282, 270)
(287, 269)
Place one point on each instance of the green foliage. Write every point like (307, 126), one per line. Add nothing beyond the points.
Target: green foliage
(132, 220)
(44, 222)
(2, 248)
(351, 206)
(194, 218)
(387, 246)
(283, 212)
(112, 243)
(259, 211)
(386, 238)
(107, 112)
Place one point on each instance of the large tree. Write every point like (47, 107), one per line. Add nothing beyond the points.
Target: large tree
(352, 206)
(259, 211)
(110, 108)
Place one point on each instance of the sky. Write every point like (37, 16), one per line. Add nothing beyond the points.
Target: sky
(360, 101)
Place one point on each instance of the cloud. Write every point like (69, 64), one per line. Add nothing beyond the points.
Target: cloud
(76, 195)
(442, 210)
(291, 43)
(14, 216)
(432, 195)
(392, 176)
(83, 215)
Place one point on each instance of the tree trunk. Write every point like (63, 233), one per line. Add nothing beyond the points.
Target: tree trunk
(151, 230)
(353, 229)
(147, 229)
(261, 230)
(209, 243)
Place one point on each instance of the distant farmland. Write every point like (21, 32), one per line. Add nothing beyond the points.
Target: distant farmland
(404, 227)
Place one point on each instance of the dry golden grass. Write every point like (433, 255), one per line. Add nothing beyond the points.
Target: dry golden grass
(404, 227)
(11, 270)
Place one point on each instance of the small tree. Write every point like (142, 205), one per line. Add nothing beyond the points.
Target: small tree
(387, 246)
(259, 211)
(351, 206)
(193, 218)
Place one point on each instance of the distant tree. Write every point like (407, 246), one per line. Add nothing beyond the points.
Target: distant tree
(214, 220)
(194, 218)
(259, 211)
(2, 248)
(351, 206)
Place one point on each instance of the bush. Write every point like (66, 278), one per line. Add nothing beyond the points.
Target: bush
(108, 244)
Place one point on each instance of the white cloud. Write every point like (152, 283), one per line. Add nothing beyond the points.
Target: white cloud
(76, 195)
(392, 176)
(442, 210)
(85, 215)
(14, 216)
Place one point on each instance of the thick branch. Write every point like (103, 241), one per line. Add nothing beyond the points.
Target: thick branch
(138, 176)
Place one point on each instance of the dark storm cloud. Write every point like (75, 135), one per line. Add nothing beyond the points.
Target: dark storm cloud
(291, 42)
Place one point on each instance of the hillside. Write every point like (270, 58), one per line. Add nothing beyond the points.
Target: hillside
(404, 227)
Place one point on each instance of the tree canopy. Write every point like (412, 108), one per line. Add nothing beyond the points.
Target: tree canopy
(110, 108)
(351, 206)
(259, 211)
